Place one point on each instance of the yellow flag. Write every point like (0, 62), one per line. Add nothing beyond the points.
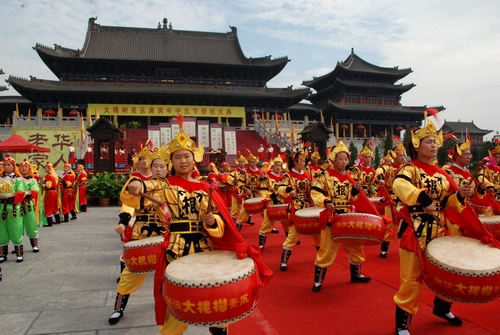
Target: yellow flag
(96, 114)
(59, 110)
(17, 110)
(83, 132)
(29, 113)
(89, 118)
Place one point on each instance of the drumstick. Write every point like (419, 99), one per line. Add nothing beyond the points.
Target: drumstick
(165, 211)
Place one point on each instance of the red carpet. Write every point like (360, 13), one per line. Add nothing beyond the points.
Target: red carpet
(288, 305)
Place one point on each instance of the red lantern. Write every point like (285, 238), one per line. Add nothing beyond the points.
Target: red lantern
(360, 127)
(74, 113)
(49, 112)
(400, 128)
(344, 126)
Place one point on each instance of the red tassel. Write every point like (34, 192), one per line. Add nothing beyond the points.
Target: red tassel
(432, 111)
(180, 121)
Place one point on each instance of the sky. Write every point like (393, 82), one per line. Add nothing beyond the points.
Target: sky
(452, 46)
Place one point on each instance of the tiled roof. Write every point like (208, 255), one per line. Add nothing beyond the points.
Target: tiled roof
(462, 127)
(51, 86)
(353, 63)
(160, 45)
(379, 108)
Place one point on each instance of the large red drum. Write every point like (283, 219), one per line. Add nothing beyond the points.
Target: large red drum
(492, 224)
(463, 269)
(254, 205)
(141, 256)
(358, 229)
(307, 221)
(211, 288)
(277, 212)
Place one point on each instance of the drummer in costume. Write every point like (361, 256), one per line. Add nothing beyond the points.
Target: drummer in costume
(489, 173)
(68, 197)
(249, 185)
(430, 197)
(295, 189)
(225, 182)
(142, 170)
(268, 187)
(337, 192)
(193, 226)
(384, 180)
(236, 196)
(81, 184)
(12, 193)
(30, 204)
(149, 222)
(363, 172)
(51, 201)
(313, 166)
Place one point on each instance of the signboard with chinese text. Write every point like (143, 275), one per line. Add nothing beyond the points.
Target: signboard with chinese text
(154, 135)
(216, 136)
(168, 110)
(165, 133)
(204, 133)
(230, 140)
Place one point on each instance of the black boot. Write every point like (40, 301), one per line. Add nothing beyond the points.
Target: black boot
(122, 267)
(66, 217)
(20, 253)
(57, 218)
(218, 331)
(239, 225)
(285, 256)
(73, 214)
(443, 310)
(319, 276)
(356, 276)
(83, 208)
(0, 274)
(262, 241)
(120, 304)
(49, 221)
(34, 244)
(383, 249)
(275, 231)
(250, 222)
(4, 251)
(403, 321)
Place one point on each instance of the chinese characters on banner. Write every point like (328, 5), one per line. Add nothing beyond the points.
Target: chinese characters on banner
(230, 139)
(58, 139)
(168, 110)
(165, 133)
(154, 135)
(216, 136)
(203, 133)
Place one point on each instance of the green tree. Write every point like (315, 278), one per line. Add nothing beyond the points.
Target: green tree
(354, 153)
(442, 155)
(376, 160)
(388, 143)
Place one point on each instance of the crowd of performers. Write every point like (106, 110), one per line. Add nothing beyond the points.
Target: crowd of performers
(415, 201)
(29, 201)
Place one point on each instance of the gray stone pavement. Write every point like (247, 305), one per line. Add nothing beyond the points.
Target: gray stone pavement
(69, 287)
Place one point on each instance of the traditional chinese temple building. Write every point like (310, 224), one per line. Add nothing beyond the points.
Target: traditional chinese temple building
(364, 100)
(155, 73)
(460, 129)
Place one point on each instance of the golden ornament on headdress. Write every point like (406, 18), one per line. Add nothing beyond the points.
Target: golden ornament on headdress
(340, 147)
(494, 151)
(277, 159)
(161, 153)
(300, 155)
(250, 156)
(464, 146)
(366, 151)
(315, 155)
(183, 142)
(390, 156)
(399, 148)
(241, 159)
(428, 130)
(144, 152)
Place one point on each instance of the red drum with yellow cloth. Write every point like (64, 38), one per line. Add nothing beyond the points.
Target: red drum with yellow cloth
(254, 205)
(141, 256)
(358, 229)
(379, 205)
(306, 221)
(211, 288)
(479, 209)
(492, 224)
(463, 269)
(277, 212)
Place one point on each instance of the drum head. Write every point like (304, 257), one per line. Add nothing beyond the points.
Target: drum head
(310, 212)
(145, 241)
(254, 200)
(464, 255)
(210, 268)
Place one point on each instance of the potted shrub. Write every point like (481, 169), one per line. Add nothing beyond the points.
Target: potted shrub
(106, 186)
